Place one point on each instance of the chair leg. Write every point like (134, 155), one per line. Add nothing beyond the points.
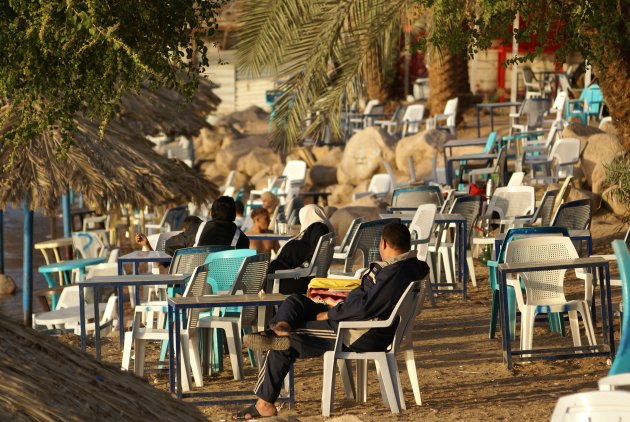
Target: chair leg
(362, 381)
(328, 384)
(138, 364)
(494, 314)
(575, 328)
(236, 352)
(345, 371)
(471, 269)
(126, 357)
(195, 360)
(385, 369)
(588, 325)
(527, 328)
(412, 371)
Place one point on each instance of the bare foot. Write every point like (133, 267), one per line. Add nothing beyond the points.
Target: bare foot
(281, 328)
(260, 409)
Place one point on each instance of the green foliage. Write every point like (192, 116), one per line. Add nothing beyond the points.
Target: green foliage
(618, 177)
(60, 58)
(320, 47)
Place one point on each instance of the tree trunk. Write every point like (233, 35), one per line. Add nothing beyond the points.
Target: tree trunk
(448, 78)
(375, 78)
(614, 81)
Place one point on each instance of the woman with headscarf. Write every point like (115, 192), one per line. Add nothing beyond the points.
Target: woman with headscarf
(299, 249)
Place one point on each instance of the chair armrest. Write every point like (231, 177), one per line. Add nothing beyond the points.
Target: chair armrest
(363, 324)
(356, 196)
(286, 274)
(152, 226)
(492, 264)
(609, 383)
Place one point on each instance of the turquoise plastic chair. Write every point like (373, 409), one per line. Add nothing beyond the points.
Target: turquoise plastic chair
(487, 149)
(555, 319)
(592, 95)
(223, 267)
(621, 364)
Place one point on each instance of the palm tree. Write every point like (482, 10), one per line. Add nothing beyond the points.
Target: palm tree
(325, 50)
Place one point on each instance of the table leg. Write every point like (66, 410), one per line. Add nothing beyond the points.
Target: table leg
(478, 123)
(491, 119)
(178, 372)
(609, 314)
(291, 389)
(97, 323)
(464, 254)
(171, 351)
(82, 316)
(120, 269)
(121, 318)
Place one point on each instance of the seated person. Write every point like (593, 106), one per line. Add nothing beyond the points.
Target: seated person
(300, 249)
(185, 239)
(303, 328)
(261, 219)
(222, 230)
(240, 209)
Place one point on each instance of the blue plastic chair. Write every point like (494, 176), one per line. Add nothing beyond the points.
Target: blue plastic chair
(555, 320)
(223, 267)
(621, 364)
(487, 149)
(592, 95)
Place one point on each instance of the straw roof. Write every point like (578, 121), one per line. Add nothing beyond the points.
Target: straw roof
(44, 379)
(120, 168)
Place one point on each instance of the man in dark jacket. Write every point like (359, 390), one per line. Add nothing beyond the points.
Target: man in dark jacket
(220, 231)
(303, 328)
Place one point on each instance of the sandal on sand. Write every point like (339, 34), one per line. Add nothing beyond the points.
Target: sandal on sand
(268, 340)
(249, 410)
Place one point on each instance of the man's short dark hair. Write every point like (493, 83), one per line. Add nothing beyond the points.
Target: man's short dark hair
(397, 236)
(223, 209)
(259, 211)
(240, 207)
(189, 221)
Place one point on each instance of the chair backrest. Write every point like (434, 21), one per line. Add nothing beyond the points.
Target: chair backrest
(593, 406)
(295, 171)
(250, 280)
(490, 143)
(574, 215)
(621, 364)
(545, 209)
(559, 102)
(197, 286)
(412, 118)
(224, 265)
(513, 201)
(468, 206)
(380, 184)
(68, 297)
(565, 152)
(500, 165)
(322, 256)
(160, 240)
(369, 107)
(367, 241)
(408, 307)
(535, 109)
(187, 259)
(516, 179)
(417, 195)
(87, 244)
(421, 228)
(528, 74)
(173, 218)
(450, 109)
(542, 287)
(352, 230)
(593, 97)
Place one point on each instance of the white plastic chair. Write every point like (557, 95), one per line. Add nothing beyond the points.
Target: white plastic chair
(88, 245)
(516, 179)
(421, 228)
(611, 382)
(373, 109)
(533, 110)
(380, 185)
(565, 153)
(341, 251)
(171, 220)
(593, 406)
(392, 177)
(386, 367)
(532, 86)
(449, 117)
(558, 108)
(544, 289)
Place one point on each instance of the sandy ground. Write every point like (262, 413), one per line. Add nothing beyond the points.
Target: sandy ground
(461, 373)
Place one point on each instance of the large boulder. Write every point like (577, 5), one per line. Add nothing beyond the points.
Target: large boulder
(608, 196)
(600, 150)
(322, 175)
(251, 120)
(208, 143)
(7, 285)
(580, 131)
(608, 127)
(364, 154)
(340, 195)
(421, 147)
(328, 156)
(257, 159)
(342, 218)
(234, 149)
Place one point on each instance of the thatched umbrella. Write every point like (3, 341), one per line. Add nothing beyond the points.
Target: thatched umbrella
(119, 168)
